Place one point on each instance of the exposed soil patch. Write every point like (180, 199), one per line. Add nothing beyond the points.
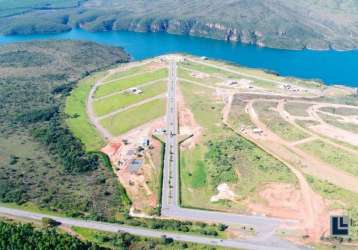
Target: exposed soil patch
(287, 201)
(123, 150)
(157, 64)
(187, 124)
(199, 75)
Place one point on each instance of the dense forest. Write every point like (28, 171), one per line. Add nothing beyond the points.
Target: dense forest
(292, 24)
(26, 237)
(41, 162)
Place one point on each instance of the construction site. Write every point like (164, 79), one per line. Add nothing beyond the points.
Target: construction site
(290, 145)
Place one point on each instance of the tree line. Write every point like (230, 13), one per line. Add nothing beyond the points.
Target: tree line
(26, 237)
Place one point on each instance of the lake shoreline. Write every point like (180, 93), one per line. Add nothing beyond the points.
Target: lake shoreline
(330, 67)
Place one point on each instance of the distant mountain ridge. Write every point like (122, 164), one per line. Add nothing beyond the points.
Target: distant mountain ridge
(290, 24)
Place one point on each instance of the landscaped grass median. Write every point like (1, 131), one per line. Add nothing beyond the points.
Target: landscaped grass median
(112, 103)
(77, 119)
(122, 84)
(132, 118)
(332, 155)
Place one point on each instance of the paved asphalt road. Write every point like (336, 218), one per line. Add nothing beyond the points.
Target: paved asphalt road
(110, 227)
(264, 227)
(170, 197)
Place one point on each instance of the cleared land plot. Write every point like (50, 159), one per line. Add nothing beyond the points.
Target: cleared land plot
(77, 118)
(127, 120)
(230, 75)
(187, 74)
(297, 108)
(339, 198)
(304, 84)
(129, 82)
(335, 121)
(129, 72)
(272, 119)
(249, 71)
(206, 69)
(238, 117)
(272, 76)
(340, 111)
(332, 155)
(222, 156)
(112, 103)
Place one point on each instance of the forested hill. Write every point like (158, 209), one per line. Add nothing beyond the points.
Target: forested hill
(41, 162)
(294, 24)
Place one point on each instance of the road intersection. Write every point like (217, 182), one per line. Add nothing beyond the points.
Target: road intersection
(264, 227)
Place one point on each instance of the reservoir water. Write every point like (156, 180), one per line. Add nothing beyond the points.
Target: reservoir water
(332, 67)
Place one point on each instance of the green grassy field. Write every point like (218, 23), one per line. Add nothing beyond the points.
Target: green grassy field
(222, 156)
(186, 74)
(332, 155)
(129, 82)
(250, 71)
(238, 118)
(340, 111)
(334, 121)
(112, 103)
(129, 72)
(77, 119)
(205, 68)
(276, 123)
(260, 78)
(296, 108)
(124, 121)
(213, 71)
(305, 83)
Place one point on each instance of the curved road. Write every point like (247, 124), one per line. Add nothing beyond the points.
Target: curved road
(265, 238)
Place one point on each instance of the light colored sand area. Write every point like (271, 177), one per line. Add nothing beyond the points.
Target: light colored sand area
(224, 193)
(328, 130)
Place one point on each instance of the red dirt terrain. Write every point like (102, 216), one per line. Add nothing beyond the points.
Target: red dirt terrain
(138, 185)
(187, 124)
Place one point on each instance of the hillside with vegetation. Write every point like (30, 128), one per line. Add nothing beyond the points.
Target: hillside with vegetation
(41, 163)
(312, 24)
